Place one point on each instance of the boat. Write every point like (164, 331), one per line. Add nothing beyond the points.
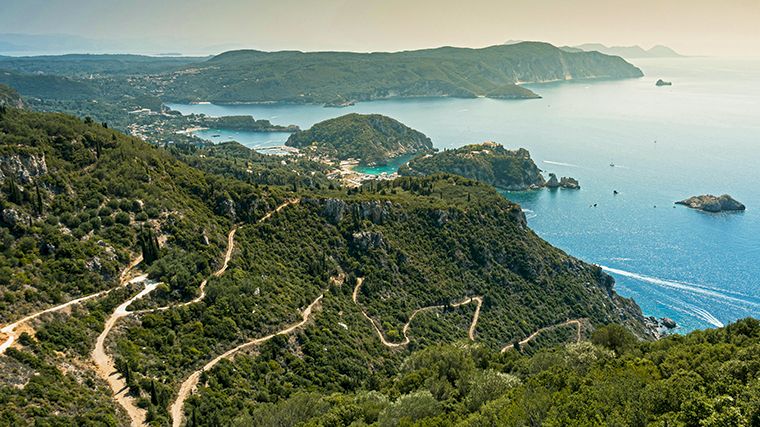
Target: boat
(612, 165)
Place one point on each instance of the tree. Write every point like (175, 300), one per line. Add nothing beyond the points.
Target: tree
(39, 206)
(14, 192)
(615, 337)
(149, 245)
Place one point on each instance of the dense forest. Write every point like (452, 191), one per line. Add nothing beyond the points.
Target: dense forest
(548, 343)
(371, 138)
(339, 77)
(488, 162)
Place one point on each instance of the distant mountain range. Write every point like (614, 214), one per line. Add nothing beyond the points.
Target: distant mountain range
(658, 51)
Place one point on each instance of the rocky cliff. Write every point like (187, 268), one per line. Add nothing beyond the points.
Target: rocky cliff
(488, 162)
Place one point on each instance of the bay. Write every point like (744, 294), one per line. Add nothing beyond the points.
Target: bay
(701, 135)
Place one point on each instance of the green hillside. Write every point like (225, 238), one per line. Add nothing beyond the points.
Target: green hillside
(335, 77)
(380, 305)
(488, 162)
(372, 138)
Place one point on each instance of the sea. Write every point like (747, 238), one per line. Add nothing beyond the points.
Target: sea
(652, 145)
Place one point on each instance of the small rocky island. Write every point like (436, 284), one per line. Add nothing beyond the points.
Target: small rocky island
(488, 162)
(564, 182)
(662, 82)
(372, 139)
(710, 203)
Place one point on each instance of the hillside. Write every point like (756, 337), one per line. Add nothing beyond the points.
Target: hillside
(9, 98)
(335, 77)
(488, 162)
(237, 260)
(373, 139)
(47, 86)
(706, 378)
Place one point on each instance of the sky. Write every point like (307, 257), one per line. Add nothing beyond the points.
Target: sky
(692, 27)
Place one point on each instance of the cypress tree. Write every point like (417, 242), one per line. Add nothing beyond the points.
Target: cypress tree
(153, 394)
(149, 245)
(14, 193)
(40, 206)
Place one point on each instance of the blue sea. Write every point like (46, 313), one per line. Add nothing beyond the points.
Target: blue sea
(701, 135)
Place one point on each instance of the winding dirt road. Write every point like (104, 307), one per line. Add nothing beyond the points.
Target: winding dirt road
(530, 338)
(189, 385)
(9, 331)
(407, 325)
(105, 366)
(225, 262)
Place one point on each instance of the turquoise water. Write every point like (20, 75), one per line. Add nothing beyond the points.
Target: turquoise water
(703, 270)
(259, 141)
(388, 168)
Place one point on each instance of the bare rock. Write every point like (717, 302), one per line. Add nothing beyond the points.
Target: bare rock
(710, 203)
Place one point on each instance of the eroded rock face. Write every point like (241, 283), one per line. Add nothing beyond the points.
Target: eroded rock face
(569, 183)
(553, 182)
(226, 207)
(367, 240)
(336, 210)
(710, 203)
(12, 217)
(23, 167)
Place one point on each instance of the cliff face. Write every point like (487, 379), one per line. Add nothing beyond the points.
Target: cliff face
(370, 138)
(22, 166)
(488, 162)
(10, 98)
(485, 240)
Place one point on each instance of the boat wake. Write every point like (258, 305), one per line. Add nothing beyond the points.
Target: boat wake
(683, 286)
(529, 214)
(561, 164)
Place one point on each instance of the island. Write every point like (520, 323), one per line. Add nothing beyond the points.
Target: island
(662, 82)
(710, 203)
(373, 139)
(488, 162)
(245, 123)
(564, 182)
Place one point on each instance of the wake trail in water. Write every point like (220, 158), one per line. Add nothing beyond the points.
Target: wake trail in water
(529, 214)
(697, 313)
(551, 162)
(681, 286)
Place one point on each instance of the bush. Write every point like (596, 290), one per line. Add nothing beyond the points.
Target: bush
(122, 218)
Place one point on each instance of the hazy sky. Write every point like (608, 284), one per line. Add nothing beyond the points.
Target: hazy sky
(710, 27)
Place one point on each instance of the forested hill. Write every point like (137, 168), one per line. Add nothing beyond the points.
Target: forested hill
(373, 138)
(389, 268)
(335, 77)
(488, 162)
